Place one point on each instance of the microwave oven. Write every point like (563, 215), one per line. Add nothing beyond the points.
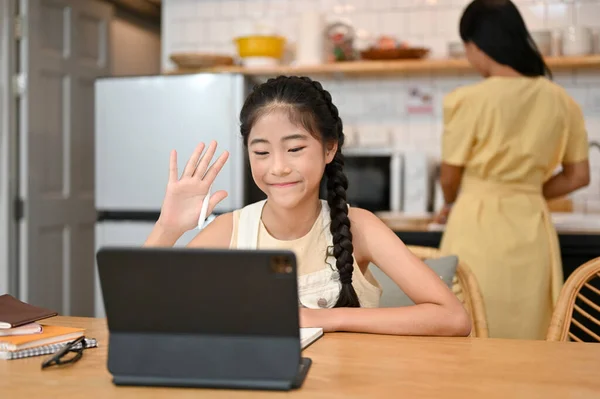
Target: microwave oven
(374, 179)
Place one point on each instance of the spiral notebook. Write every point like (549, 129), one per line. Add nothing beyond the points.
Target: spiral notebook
(44, 350)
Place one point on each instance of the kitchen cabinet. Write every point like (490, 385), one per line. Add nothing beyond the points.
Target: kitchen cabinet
(576, 247)
(578, 233)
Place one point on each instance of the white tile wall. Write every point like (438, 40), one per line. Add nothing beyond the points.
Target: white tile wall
(210, 25)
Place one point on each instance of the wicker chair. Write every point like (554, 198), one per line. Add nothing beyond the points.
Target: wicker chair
(578, 306)
(466, 289)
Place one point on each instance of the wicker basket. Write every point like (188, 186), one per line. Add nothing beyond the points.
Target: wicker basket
(394, 53)
(200, 60)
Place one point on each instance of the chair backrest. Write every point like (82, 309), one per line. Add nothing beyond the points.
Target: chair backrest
(465, 287)
(576, 316)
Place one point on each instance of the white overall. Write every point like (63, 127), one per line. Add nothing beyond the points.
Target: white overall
(318, 278)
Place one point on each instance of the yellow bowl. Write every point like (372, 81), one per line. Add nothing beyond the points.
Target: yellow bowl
(260, 46)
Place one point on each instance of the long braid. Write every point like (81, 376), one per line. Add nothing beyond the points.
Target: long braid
(337, 184)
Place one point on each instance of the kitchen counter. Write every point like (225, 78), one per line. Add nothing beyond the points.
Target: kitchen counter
(564, 222)
(578, 234)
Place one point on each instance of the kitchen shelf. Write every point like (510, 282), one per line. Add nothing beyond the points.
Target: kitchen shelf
(378, 68)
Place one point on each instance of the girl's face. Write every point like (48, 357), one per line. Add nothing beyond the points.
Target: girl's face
(287, 162)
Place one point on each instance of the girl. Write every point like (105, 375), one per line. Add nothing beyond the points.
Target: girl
(503, 139)
(294, 136)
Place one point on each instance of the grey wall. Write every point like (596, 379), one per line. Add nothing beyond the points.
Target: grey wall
(135, 46)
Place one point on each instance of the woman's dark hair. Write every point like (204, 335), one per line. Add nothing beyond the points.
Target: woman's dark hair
(498, 29)
(310, 106)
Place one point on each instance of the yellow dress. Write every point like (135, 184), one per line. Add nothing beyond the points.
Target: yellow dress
(510, 134)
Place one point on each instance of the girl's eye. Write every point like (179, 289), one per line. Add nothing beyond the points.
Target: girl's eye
(297, 149)
(260, 152)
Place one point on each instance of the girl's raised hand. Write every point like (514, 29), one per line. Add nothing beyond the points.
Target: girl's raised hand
(184, 195)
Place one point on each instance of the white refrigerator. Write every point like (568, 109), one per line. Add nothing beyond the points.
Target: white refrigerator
(139, 120)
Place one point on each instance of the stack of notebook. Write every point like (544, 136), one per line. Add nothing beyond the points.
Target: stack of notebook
(21, 335)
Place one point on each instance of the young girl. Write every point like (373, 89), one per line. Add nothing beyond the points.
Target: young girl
(294, 136)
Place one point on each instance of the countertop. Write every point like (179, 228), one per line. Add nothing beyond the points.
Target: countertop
(565, 222)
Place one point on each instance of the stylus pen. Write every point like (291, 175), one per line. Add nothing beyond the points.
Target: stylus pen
(204, 210)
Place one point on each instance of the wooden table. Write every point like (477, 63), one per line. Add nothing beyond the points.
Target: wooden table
(351, 366)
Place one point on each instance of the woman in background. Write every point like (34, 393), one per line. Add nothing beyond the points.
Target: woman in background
(503, 139)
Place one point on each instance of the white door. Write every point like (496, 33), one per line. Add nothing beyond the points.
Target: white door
(7, 139)
(64, 49)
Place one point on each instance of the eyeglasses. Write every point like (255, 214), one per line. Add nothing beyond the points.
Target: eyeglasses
(63, 356)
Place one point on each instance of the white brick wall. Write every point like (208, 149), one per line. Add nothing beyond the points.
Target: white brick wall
(210, 25)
